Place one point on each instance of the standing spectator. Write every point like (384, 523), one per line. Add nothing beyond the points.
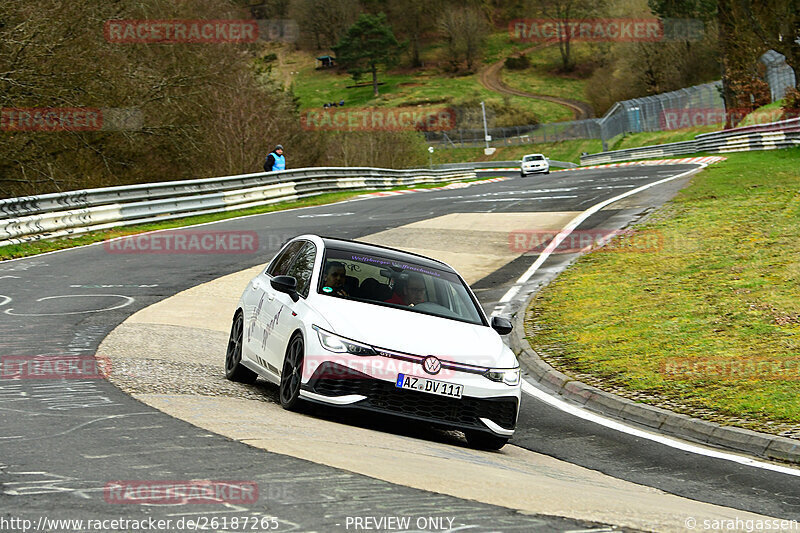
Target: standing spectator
(275, 160)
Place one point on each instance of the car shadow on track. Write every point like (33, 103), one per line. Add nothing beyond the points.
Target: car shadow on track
(384, 423)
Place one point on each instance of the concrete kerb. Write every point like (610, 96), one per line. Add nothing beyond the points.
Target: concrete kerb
(647, 416)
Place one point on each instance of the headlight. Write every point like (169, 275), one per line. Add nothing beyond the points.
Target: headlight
(509, 376)
(339, 344)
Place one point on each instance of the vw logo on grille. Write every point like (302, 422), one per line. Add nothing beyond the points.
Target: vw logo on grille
(431, 365)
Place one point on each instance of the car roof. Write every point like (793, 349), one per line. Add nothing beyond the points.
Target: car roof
(385, 252)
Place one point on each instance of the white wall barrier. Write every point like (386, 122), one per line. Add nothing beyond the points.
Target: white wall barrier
(782, 134)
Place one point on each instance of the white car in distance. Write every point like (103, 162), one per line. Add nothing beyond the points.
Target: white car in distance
(533, 164)
(355, 325)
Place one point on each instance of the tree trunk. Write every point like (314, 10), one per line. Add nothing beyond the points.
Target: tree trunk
(374, 80)
(726, 33)
(793, 60)
(415, 59)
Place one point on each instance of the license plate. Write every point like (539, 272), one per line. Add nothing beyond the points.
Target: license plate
(431, 386)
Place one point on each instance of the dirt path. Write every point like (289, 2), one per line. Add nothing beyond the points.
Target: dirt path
(491, 79)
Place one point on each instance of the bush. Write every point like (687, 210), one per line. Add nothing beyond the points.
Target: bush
(518, 63)
(791, 104)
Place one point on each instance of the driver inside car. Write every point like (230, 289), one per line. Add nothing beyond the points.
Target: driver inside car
(412, 293)
(334, 277)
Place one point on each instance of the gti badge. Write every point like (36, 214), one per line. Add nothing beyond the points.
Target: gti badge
(431, 365)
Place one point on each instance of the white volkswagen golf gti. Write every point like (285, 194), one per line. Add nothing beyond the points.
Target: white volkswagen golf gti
(356, 325)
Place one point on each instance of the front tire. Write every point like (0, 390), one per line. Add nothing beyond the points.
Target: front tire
(485, 441)
(234, 370)
(292, 374)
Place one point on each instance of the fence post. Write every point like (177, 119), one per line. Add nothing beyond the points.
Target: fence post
(603, 139)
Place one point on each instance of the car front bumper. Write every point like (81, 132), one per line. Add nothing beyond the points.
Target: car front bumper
(534, 170)
(484, 406)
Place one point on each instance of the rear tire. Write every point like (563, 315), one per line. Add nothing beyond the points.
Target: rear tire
(485, 441)
(234, 370)
(292, 374)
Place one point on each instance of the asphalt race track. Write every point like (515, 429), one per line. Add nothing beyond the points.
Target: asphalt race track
(64, 441)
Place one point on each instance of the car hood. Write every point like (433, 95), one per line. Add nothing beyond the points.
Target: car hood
(415, 333)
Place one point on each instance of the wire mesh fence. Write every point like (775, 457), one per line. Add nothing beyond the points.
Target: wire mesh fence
(779, 75)
(516, 135)
(700, 105)
(691, 107)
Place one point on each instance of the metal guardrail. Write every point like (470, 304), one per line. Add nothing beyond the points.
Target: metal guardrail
(781, 134)
(60, 214)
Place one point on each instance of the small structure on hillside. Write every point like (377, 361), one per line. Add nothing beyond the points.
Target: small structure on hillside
(326, 62)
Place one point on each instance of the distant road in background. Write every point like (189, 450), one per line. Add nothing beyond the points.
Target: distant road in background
(491, 79)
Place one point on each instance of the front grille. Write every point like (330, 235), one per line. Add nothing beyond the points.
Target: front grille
(331, 379)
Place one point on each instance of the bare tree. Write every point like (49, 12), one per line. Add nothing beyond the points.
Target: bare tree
(204, 113)
(411, 19)
(776, 24)
(562, 12)
(464, 31)
(323, 22)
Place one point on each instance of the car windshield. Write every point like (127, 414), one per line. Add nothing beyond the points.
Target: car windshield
(403, 285)
(534, 158)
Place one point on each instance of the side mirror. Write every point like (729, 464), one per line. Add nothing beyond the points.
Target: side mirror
(501, 325)
(285, 284)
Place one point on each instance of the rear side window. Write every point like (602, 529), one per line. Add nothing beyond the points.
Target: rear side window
(280, 265)
(302, 268)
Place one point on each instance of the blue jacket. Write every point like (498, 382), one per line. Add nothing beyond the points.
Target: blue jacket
(274, 162)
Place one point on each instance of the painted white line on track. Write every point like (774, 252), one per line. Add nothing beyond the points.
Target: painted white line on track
(127, 301)
(580, 412)
(514, 199)
(326, 215)
(574, 223)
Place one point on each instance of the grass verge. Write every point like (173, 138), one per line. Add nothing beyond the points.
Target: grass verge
(562, 151)
(26, 249)
(685, 326)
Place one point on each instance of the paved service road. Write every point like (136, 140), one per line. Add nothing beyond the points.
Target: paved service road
(64, 441)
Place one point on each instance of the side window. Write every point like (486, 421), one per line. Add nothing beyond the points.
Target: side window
(280, 265)
(302, 268)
